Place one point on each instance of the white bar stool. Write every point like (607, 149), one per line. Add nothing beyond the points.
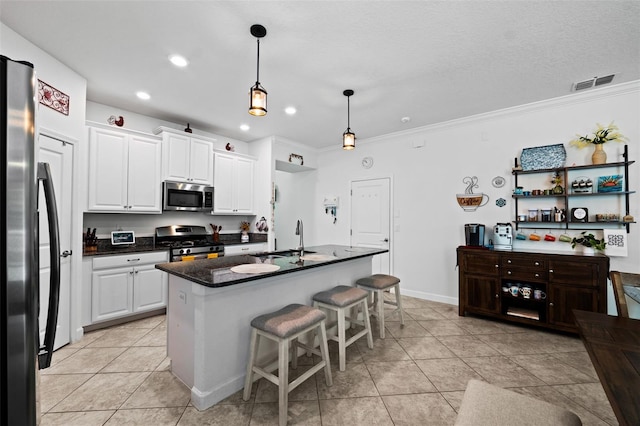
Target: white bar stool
(284, 327)
(342, 299)
(377, 284)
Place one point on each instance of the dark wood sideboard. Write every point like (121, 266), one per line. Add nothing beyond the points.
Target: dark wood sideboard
(567, 281)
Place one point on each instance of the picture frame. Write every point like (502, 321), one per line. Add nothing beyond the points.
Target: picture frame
(122, 238)
(611, 183)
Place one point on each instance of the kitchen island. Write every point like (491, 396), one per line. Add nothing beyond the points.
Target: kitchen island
(210, 309)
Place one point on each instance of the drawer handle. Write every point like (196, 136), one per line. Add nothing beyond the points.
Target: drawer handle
(509, 261)
(550, 303)
(537, 275)
(497, 266)
(133, 260)
(509, 272)
(245, 249)
(551, 271)
(536, 263)
(497, 296)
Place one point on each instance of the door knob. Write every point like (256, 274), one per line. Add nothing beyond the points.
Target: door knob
(386, 240)
(66, 253)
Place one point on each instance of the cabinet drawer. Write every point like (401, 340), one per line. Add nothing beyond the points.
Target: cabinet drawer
(574, 273)
(528, 262)
(481, 263)
(525, 274)
(132, 259)
(246, 248)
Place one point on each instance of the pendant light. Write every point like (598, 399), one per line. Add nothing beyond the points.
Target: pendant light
(348, 137)
(257, 95)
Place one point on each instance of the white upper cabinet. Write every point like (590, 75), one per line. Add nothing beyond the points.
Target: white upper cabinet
(186, 158)
(124, 172)
(233, 181)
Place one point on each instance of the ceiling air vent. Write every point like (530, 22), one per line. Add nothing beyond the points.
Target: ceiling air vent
(586, 84)
(592, 82)
(604, 80)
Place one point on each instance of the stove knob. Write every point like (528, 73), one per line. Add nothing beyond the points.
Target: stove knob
(181, 251)
(188, 251)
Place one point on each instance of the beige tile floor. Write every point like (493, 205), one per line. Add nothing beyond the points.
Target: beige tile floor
(416, 376)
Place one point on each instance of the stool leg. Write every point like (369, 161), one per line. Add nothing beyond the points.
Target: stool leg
(253, 351)
(294, 353)
(324, 351)
(283, 380)
(367, 323)
(380, 307)
(399, 304)
(342, 348)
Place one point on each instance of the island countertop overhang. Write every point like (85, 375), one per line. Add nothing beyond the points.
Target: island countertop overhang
(217, 272)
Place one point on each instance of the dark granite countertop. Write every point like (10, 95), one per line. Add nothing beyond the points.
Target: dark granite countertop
(144, 244)
(217, 272)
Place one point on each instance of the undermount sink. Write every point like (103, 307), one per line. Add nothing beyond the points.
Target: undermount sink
(278, 254)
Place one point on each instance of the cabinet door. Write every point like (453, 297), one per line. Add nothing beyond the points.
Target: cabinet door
(563, 299)
(108, 159)
(223, 172)
(149, 288)
(244, 185)
(481, 293)
(201, 162)
(176, 154)
(111, 291)
(145, 184)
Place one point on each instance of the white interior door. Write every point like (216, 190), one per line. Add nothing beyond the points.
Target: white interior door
(60, 158)
(370, 219)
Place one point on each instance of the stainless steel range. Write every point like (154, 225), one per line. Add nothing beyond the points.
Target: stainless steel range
(188, 242)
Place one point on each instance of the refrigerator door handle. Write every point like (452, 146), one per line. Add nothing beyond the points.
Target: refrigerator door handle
(46, 351)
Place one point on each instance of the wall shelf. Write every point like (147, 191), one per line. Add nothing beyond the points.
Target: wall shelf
(564, 171)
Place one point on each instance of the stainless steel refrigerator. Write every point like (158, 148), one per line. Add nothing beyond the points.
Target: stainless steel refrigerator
(21, 353)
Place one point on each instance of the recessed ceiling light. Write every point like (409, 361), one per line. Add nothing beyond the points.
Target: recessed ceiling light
(244, 127)
(290, 110)
(405, 119)
(178, 61)
(143, 95)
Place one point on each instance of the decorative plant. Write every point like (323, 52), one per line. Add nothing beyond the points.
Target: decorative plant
(245, 226)
(602, 134)
(588, 240)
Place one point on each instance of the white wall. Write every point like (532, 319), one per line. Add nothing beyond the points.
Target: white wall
(296, 201)
(429, 222)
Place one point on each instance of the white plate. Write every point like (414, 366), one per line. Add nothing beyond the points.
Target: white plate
(254, 268)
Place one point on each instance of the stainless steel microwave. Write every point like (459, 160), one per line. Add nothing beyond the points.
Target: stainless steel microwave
(186, 197)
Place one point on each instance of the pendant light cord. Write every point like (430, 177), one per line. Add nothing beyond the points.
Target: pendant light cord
(348, 113)
(258, 64)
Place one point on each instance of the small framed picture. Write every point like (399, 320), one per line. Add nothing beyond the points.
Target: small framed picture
(122, 237)
(611, 183)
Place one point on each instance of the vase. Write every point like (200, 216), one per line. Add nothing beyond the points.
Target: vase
(599, 156)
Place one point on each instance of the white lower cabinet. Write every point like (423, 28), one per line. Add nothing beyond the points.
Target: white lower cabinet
(246, 248)
(127, 284)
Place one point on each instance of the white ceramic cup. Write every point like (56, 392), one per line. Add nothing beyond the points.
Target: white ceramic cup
(539, 295)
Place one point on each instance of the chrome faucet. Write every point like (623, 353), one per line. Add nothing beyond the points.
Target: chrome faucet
(300, 231)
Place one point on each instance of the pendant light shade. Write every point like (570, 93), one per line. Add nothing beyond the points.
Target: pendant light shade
(348, 137)
(257, 95)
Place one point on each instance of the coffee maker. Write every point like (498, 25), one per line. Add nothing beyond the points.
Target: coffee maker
(503, 236)
(474, 234)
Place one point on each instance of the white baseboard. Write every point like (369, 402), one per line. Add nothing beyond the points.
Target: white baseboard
(430, 296)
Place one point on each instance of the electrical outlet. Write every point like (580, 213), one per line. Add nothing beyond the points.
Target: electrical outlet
(182, 296)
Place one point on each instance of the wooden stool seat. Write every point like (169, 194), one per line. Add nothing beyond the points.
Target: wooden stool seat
(284, 327)
(342, 299)
(377, 284)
